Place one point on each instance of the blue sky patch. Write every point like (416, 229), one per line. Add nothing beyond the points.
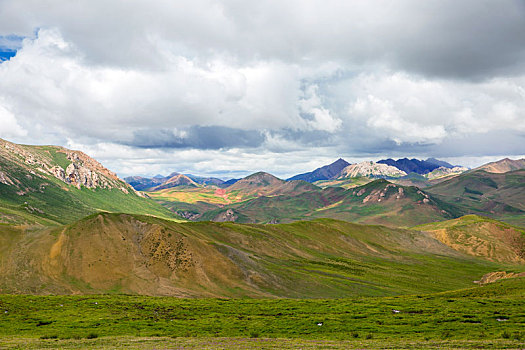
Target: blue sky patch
(9, 45)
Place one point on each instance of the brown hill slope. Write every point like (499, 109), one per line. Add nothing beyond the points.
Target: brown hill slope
(503, 166)
(264, 184)
(138, 254)
(176, 180)
(482, 237)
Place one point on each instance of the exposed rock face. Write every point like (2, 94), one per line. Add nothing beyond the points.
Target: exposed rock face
(82, 170)
(370, 169)
(445, 172)
(228, 215)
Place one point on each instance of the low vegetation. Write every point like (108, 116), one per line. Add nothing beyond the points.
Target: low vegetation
(488, 316)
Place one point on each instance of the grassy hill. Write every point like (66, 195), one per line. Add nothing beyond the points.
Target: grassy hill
(125, 253)
(52, 185)
(498, 195)
(377, 202)
(482, 237)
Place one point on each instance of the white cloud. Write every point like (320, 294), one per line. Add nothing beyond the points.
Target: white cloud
(319, 79)
(312, 105)
(9, 127)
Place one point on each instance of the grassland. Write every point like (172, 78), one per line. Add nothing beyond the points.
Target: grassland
(489, 316)
(316, 259)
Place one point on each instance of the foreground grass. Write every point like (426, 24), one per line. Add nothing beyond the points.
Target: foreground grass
(155, 343)
(491, 316)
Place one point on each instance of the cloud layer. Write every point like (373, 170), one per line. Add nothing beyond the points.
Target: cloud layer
(209, 87)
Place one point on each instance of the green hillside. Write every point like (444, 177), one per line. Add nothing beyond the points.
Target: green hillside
(498, 195)
(377, 202)
(30, 193)
(146, 255)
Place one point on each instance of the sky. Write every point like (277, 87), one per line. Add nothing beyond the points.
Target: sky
(227, 88)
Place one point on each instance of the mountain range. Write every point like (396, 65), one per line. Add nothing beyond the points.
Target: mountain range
(340, 169)
(70, 225)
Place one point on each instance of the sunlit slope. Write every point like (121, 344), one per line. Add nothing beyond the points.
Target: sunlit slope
(482, 237)
(54, 185)
(145, 255)
(378, 202)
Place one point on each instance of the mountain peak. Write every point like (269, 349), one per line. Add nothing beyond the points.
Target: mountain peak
(415, 165)
(323, 173)
(370, 169)
(503, 165)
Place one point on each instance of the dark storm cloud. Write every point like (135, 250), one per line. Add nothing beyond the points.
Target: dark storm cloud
(199, 137)
(462, 39)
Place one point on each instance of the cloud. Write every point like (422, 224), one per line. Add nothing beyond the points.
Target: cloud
(9, 126)
(199, 137)
(474, 39)
(303, 81)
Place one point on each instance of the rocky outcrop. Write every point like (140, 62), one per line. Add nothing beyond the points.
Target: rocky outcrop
(228, 215)
(82, 170)
(6, 180)
(370, 169)
(445, 172)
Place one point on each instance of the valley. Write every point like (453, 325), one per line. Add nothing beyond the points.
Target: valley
(345, 239)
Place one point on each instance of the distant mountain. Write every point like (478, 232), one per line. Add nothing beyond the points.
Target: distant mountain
(503, 166)
(415, 165)
(323, 173)
(205, 180)
(172, 180)
(378, 202)
(230, 182)
(51, 184)
(445, 172)
(438, 162)
(175, 181)
(264, 184)
(369, 169)
(140, 183)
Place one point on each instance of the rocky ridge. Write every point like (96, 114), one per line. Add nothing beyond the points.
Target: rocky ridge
(445, 172)
(370, 169)
(81, 170)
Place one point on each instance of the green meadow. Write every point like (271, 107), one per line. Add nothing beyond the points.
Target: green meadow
(489, 316)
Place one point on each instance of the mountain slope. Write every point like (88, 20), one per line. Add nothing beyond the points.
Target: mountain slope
(138, 254)
(498, 195)
(482, 237)
(415, 165)
(503, 166)
(323, 173)
(174, 181)
(370, 169)
(50, 185)
(378, 202)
